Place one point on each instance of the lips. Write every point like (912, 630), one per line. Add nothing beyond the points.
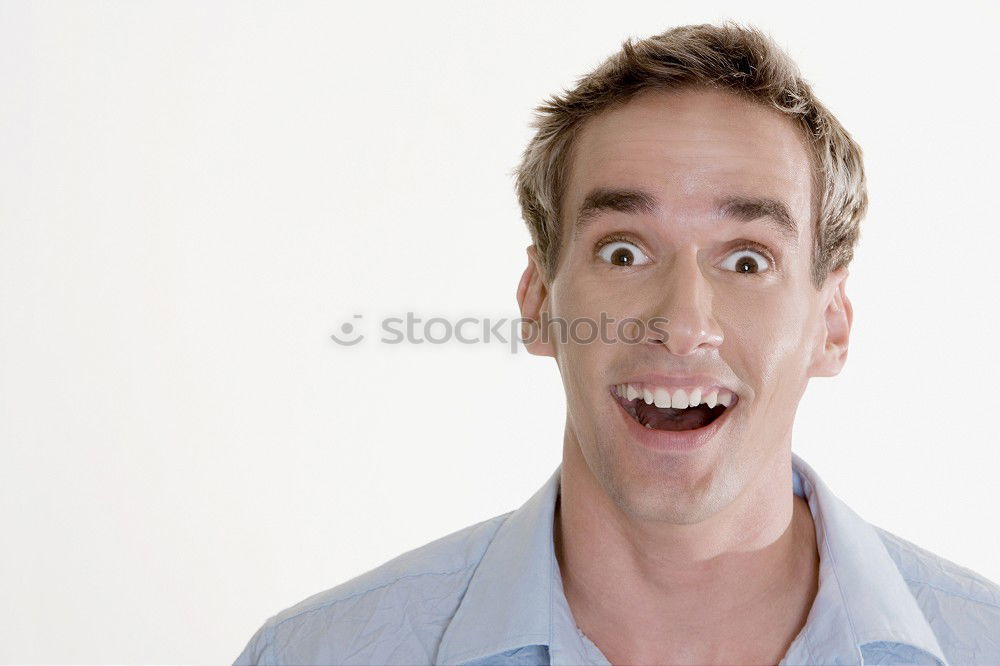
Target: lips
(667, 430)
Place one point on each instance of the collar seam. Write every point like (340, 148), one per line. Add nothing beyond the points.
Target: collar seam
(499, 647)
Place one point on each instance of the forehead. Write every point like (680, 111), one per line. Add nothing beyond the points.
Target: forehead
(691, 148)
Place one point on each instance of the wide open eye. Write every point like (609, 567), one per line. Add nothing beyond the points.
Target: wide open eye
(622, 253)
(746, 261)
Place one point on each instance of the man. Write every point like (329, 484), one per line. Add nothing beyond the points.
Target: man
(694, 187)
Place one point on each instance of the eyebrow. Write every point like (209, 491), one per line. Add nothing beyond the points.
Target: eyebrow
(747, 209)
(605, 199)
(741, 208)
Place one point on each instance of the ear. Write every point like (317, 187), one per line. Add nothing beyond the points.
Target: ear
(533, 299)
(838, 315)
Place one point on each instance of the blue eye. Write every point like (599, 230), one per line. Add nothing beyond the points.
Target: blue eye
(746, 261)
(622, 253)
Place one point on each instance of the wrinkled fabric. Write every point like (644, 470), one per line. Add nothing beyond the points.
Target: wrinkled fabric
(492, 594)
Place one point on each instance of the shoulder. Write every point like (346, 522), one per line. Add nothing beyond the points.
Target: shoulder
(395, 613)
(961, 606)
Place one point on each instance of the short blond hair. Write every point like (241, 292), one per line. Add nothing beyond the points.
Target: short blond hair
(730, 57)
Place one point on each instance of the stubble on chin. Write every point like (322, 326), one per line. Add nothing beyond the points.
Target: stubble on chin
(668, 490)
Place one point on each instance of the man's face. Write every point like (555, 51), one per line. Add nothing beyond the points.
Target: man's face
(683, 195)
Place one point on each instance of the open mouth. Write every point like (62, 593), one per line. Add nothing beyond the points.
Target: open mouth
(661, 409)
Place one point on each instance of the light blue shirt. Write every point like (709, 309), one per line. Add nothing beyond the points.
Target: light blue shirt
(492, 594)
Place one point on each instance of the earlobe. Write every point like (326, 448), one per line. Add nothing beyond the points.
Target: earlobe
(532, 299)
(838, 317)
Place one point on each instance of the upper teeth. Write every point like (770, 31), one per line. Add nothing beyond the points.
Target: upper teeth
(676, 398)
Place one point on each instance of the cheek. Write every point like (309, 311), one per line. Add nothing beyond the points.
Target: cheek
(764, 338)
(585, 351)
(584, 297)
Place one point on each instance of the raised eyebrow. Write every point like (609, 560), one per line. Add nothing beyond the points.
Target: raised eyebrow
(619, 200)
(741, 208)
(747, 209)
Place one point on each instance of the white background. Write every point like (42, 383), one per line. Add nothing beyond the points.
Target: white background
(194, 196)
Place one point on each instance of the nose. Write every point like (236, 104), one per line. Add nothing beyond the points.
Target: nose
(685, 302)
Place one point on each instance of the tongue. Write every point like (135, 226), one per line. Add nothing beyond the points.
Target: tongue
(674, 419)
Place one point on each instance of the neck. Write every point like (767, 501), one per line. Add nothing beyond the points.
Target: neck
(648, 591)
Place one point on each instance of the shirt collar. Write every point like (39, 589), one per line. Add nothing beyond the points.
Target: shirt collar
(507, 603)
(515, 597)
(862, 598)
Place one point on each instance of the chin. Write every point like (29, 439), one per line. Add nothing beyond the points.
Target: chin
(674, 490)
